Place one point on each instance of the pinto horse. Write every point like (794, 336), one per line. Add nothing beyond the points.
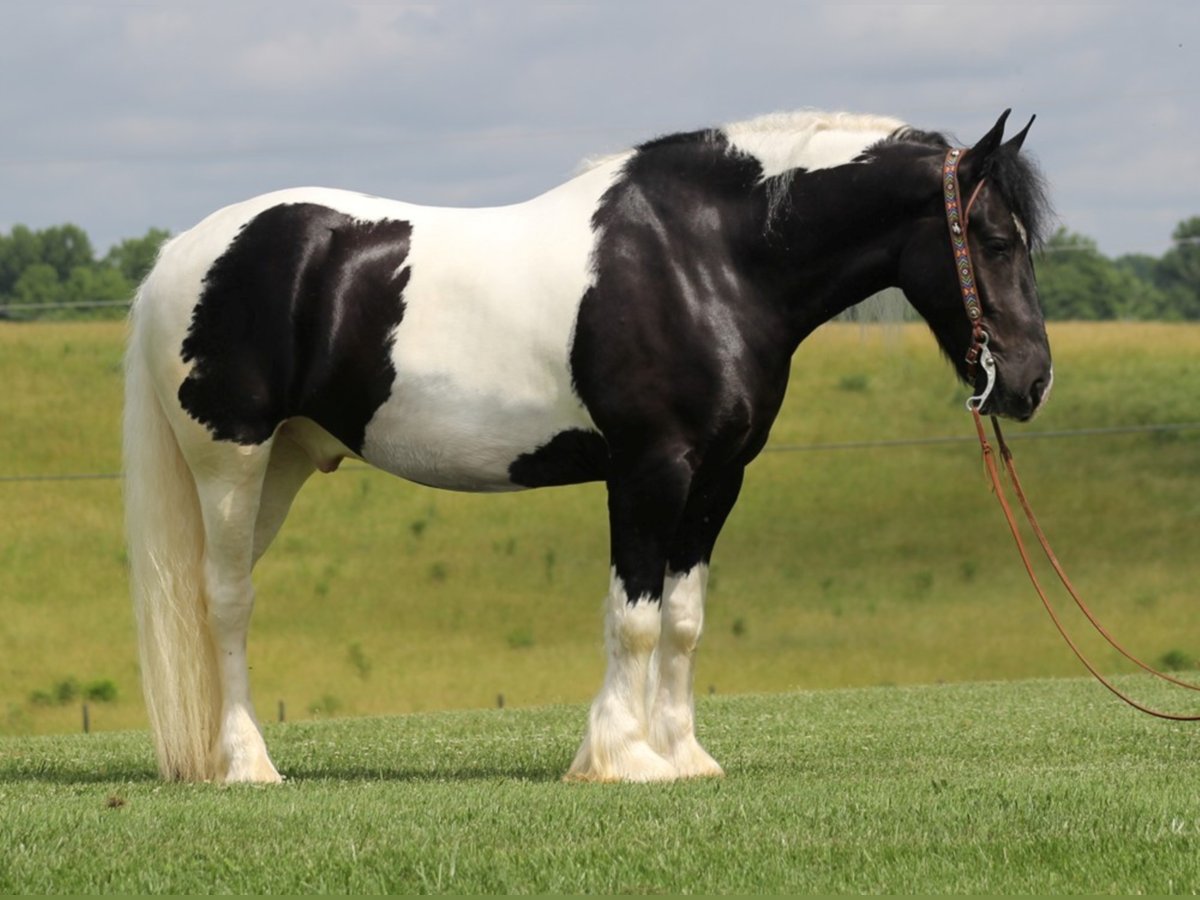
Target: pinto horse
(634, 325)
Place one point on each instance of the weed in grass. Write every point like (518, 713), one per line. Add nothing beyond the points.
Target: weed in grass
(738, 628)
(520, 638)
(63, 692)
(16, 719)
(857, 383)
(328, 705)
(102, 690)
(922, 584)
(358, 659)
(1176, 661)
(549, 560)
(417, 527)
(438, 572)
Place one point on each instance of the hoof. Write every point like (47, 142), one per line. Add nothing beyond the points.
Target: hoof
(690, 760)
(261, 773)
(633, 763)
(695, 762)
(248, 768)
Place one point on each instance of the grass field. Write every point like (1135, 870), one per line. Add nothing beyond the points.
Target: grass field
(1043, 787)
(838, 568)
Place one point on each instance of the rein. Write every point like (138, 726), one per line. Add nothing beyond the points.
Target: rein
(980, 355)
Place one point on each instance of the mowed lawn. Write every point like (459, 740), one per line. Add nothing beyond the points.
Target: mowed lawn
(1043, 787)
(840, 567)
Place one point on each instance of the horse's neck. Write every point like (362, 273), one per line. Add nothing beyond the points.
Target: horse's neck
(835, 243)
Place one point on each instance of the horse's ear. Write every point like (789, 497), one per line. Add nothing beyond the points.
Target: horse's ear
(1015, 143)
(976, 158)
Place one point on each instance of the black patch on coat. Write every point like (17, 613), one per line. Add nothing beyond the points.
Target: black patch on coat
(296, 319)
(681, 349)
(574, 456)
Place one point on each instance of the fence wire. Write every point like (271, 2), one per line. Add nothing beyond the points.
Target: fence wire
(834, 446)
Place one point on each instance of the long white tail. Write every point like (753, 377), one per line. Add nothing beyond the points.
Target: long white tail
(165, 537)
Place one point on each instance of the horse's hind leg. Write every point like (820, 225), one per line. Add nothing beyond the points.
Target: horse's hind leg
(672, 711)
(289, 467)
(230, 490)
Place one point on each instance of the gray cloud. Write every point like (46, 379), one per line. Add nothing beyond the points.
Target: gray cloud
(122, 115)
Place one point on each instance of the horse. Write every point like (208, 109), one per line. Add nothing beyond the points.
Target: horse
(634, 325)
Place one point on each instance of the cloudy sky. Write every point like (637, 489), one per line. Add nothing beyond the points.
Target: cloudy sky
(119, 115)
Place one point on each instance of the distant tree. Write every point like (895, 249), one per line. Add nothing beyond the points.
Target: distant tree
(93, 285)
(1142, 266)
(1178, 272)
(57, 265)
(19, 250)
(1076, 281)
(134, 257)
(66, 247)
(38, 285)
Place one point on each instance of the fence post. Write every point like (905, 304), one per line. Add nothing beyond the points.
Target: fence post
(87, 722)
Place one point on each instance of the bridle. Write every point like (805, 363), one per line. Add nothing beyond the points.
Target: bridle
(979, 355)
(957, 218)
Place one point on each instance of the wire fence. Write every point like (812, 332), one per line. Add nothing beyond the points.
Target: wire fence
(824, 447)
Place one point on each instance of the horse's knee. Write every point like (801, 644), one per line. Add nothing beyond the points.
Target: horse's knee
(636, 626)
(683, 609)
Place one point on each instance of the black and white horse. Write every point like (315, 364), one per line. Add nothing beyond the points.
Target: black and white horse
(634, 325)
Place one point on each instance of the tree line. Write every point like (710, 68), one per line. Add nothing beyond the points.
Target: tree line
(54, 273)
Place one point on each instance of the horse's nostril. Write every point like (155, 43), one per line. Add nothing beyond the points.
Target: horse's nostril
(1037, 391)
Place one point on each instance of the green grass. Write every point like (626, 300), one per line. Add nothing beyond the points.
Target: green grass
(837, 568)
(1029, 787)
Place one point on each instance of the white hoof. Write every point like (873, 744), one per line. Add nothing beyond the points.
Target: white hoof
(241, 755)
(259, 772)
(634, 762)
(693, 761)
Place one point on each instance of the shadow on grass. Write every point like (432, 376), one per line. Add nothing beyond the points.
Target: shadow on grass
(63, 775)
(457, 774)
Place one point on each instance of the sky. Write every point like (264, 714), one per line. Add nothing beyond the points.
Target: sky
(120, 115)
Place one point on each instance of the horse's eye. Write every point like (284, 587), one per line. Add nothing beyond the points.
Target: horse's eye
(997, 246)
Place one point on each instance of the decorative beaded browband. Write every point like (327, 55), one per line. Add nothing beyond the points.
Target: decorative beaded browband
(956, 218)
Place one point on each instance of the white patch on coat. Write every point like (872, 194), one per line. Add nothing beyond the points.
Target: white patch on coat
(482, 353)
(1021, 230)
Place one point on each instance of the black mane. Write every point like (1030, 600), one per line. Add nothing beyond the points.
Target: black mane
(1016, 175)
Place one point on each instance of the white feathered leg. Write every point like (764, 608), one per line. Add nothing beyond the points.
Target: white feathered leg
(229, 500)
(672, 710)
(615, 747)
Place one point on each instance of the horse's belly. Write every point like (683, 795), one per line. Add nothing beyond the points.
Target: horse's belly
(433, 432)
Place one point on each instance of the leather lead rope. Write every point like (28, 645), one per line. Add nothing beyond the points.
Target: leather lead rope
(979, 350)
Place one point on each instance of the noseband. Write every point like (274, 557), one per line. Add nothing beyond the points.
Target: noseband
(979, 354)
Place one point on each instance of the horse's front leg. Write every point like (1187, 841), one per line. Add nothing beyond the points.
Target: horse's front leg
(645, 504)
(673, 710)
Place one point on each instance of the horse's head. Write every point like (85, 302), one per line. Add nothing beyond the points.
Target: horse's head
(1004, 221)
